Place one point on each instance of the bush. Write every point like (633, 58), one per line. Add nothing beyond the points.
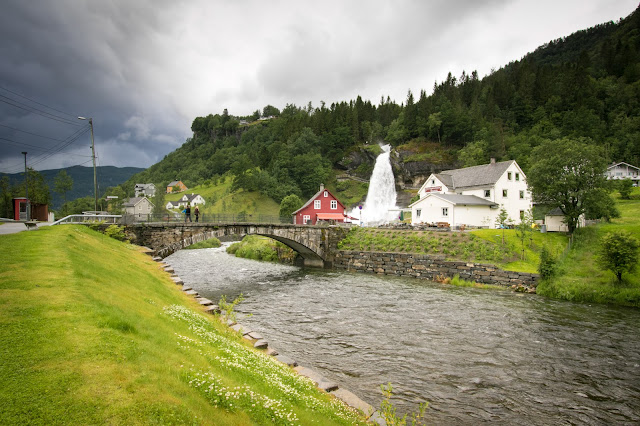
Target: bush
(116, 232)
(547, 266)
(618, 252)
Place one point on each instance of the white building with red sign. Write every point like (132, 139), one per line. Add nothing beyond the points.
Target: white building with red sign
(473, 196)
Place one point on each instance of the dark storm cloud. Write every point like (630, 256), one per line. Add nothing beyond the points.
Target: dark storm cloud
(145, 69)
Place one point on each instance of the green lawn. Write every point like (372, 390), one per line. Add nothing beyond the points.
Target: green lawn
(580, 278)
(220, 199)
(92, 331)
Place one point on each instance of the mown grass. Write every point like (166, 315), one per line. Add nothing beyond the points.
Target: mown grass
(453, 245)
(579, 276)
(93, 332)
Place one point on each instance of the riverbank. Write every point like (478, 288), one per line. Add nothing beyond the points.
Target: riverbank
(93, 331)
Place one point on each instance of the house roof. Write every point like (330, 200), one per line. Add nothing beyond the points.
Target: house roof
(144, 185)
(457, 199)
(555, 212)
(135, 200)
(486, 174)
(190, 197)
(316, 196)
(175, 182)
(622, 162)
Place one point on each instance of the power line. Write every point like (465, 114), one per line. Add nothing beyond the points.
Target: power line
(37, 111)
(29, 133)
(36, 102)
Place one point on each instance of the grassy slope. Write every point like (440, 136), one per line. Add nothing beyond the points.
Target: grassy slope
(581, 279)
(86, 338)
(220, 199)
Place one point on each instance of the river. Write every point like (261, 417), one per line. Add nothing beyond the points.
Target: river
(477, 356)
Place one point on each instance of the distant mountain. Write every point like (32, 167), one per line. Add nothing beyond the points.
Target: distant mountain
(82, 180)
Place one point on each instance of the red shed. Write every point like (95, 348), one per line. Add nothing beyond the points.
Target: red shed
(322, 206)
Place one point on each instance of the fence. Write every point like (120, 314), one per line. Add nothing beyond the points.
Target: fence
(205, 218)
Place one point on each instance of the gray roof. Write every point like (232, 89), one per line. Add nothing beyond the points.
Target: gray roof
(555, 212)
(135, 200)
(190, 197)
(463, 200)
(486, 174)
(174, 183)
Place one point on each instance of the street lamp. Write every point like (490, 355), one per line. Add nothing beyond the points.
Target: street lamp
(26, 185)
(93, 155)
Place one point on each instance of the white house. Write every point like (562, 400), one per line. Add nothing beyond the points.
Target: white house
(193, 199)
(554, 221)
(145, 190)
(138, 207)
(171, 205)
(473, 196)
(623, 171)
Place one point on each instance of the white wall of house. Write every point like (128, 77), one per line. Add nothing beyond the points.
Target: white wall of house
(518, 197)
(556, 223)
(433, 185)
(431, 211)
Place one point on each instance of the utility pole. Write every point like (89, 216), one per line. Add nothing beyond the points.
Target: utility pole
(93, 155)
(26, 185)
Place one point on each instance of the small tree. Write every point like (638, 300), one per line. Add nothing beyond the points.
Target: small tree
(62, 184)
(524, 229)
(547, 265)
(618, 253)
(290, 204)
(625, 187)
(503, 221)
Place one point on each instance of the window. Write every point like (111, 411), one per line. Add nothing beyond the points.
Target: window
(418, 212)
(517, 176)
(504, 193)
(487, 193)
(509, 175)
(326, 194)
(522, 195)
(433, 181)
(445, 211)
(521, 214)
(306, 219)
(334, 204)
(316, 204)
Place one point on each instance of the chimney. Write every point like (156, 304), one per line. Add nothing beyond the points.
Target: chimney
(493, 160)
(322, 187)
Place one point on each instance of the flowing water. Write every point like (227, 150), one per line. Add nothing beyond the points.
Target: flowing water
(380, 204)
(476, 356)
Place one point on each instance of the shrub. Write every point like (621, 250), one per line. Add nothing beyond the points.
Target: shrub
(618, 252)
(116, 232)
(547, 265)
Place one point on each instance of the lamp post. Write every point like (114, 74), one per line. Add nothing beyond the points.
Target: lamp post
(26, 185)
(93, 155)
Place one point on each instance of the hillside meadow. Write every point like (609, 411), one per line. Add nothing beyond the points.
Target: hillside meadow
(92, 331)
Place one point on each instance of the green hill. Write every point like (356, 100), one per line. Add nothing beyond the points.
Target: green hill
(585, 85)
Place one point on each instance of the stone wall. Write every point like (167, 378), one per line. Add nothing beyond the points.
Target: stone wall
(428, 267)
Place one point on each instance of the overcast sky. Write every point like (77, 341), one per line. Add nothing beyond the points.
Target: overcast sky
(144, 69)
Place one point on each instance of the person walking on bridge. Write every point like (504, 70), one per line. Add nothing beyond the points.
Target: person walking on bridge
(196, 212)
(187, 213)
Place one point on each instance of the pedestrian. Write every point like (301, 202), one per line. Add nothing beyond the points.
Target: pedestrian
(196, 212)
(187, 213)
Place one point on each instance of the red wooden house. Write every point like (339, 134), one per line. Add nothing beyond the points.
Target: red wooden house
(322, 206)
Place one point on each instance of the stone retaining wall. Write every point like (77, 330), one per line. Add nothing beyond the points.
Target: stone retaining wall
(428, 267)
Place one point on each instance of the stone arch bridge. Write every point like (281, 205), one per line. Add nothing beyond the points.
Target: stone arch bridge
(316, 245)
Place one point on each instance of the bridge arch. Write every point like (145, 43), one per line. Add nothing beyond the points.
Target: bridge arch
(315, 245)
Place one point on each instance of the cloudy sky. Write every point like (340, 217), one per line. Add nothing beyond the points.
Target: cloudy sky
(143, 69)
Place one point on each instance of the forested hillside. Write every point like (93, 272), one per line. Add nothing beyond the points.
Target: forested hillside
(586, 85)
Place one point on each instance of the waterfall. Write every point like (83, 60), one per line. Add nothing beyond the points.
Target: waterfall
(382, 193)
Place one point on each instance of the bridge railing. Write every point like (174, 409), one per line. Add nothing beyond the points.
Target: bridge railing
(88, 218)
(206, 218)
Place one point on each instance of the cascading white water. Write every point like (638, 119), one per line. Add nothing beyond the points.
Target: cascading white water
(382, 193)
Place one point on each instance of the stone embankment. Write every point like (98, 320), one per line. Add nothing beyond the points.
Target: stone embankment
(349, 398)
(431, 267)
